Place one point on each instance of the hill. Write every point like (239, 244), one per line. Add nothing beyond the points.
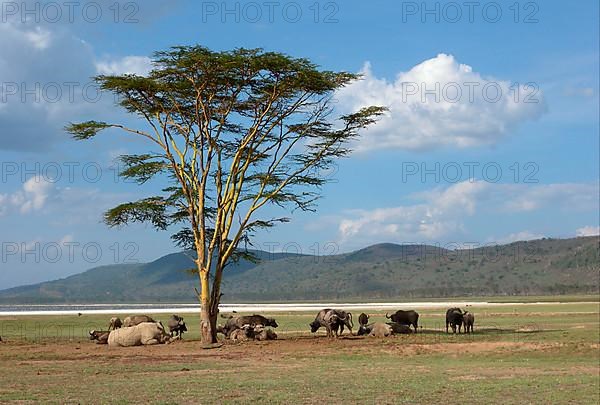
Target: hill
(384, 271)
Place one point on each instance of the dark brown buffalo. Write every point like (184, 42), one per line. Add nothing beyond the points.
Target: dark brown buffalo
(454, 318)
(115, 323)
(100, 336)
(363, 319)
(468, 321)
(409, 318)
(400, 329)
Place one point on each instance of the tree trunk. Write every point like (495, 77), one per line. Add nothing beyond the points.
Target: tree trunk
(208, 317)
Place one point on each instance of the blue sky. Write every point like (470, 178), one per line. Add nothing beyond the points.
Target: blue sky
(533, 155)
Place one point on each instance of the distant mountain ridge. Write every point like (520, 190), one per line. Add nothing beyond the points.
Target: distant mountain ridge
(383, 271)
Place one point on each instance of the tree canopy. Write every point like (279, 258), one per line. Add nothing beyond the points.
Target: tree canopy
(233, 131)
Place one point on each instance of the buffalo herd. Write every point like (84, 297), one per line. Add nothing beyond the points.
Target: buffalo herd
(139, 330)
(143, 330)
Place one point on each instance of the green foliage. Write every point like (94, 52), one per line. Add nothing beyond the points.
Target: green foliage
(86, 130)
(231, 129)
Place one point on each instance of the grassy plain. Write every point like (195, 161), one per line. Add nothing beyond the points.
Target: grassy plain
(529, 353)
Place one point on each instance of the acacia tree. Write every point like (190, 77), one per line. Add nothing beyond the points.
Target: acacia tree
(233, 131)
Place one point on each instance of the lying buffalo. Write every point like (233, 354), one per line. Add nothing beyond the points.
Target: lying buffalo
(100, 336)
(262, 333)
(400, 329)
(249, 332)
(468, 321)
(333, 320)
(238, 322)
(454, 318)
(405, 318)
(146, 333)
(380, 330)
(136, 320)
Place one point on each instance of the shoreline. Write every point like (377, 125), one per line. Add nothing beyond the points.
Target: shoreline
(90, 309)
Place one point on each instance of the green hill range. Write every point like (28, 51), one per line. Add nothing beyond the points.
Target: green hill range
(383, 271)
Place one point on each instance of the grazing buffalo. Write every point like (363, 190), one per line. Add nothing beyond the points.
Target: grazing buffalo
(454, 318)
(333, 320)
(100, 336)
(136, 320)
(468, 321)
(363, 319)
(405, 318)
(176, 326)
(115, 323)
(146, 333)
(238, 322)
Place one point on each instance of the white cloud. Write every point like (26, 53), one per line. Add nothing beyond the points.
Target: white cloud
(38, 37)
(575, 196)
(35, 65)
(588, 231)
(139, 65)
(33, 196)
(3, 204)
(66, 239)
(470, 110)
(516, 237)
(441, 213)
(435, 218)
(46, 83)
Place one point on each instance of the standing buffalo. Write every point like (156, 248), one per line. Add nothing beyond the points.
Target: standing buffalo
(176, 326)
(136, 320)
(363, 319)
(115, 323)
(454, 318)
(468, 321)
(405, 318)
(333, 320)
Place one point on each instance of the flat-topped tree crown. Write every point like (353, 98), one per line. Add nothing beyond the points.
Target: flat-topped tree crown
(234, 131)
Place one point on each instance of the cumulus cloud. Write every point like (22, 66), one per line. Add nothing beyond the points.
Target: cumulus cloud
(46, 82)
(437, 216)
(35, 66)
(33, 196)
(441, 213)
(588, 231)
(441, 102)
(139, 65)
